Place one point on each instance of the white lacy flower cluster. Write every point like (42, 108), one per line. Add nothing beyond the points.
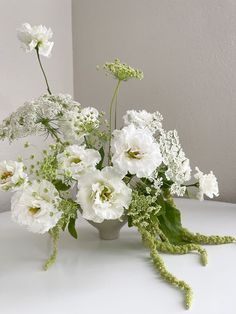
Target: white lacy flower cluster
(178, 168)
(60, 112)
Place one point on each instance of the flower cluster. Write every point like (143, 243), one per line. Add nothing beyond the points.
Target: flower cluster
(122, 71)
(113, 174)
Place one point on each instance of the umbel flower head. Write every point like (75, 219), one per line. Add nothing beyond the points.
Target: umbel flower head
(122, 71)
(35, 37)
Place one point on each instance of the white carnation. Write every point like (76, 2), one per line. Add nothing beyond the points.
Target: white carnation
(12, 175)
(135, 151)
(103, 195)
(208, 184)
(36, 207)
(36, 36)
(143, 119)
(76, 159)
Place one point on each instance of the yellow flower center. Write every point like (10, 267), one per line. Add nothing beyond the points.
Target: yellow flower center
(134, 154)
(105, 194)
(76, 160)
(34, 210)
(6, 175)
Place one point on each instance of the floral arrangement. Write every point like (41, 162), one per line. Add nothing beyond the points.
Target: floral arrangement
(108, 174)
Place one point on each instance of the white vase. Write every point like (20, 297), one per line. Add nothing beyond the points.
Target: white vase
(109, 229)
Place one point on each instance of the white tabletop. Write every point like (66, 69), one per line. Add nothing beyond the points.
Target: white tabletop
(97, 276)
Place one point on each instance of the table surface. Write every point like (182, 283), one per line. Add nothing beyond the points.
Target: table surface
(99, 276)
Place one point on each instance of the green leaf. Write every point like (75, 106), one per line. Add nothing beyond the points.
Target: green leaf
(60, 186)
(170, 223)
(102, 153)
(71, 228)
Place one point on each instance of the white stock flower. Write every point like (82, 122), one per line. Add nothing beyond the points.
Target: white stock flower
(143, 119)
(76, 159)
(35, 207)
(12, 175)
(103, 195)
(35, 36)
(135, 151)
(208, 184)
(178, 168)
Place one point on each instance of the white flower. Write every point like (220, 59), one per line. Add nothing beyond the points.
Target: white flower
(12, 175)
(76, 159)
(135, 151)
(26, 120)
(208, 184)
(103, 195)
(77, 122)
(177, 189)
(36, 207)
(32, 37)
(178, 168)
(143, 119)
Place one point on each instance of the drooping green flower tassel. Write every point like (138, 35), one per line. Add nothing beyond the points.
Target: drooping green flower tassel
(55, 237)
(160, 266)
(182, 249)
(203, 239)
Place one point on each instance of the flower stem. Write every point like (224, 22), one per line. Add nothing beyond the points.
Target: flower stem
(110, 117)
(41, 66)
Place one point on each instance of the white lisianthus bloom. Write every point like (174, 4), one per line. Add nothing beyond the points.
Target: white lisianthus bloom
(143, 119)
(135, 151)
(75, 159)
(103, 195)
(35, 36)
(12, 175)
(36, 207)
(208, 184)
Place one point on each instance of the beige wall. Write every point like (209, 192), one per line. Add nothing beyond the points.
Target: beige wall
(20, 77)
(187, 50)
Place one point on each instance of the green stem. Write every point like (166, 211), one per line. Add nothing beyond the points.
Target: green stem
(41, 66)
(110, 118)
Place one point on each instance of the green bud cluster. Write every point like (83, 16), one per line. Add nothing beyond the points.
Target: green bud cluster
(122, 71)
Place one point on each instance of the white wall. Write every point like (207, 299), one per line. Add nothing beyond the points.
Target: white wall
(187, 50)
(20, 76)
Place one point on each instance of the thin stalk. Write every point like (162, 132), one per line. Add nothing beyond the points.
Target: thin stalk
(44, 75)
(110, 118)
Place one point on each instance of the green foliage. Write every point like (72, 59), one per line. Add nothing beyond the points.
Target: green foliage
(71, 228)
(69, 216)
